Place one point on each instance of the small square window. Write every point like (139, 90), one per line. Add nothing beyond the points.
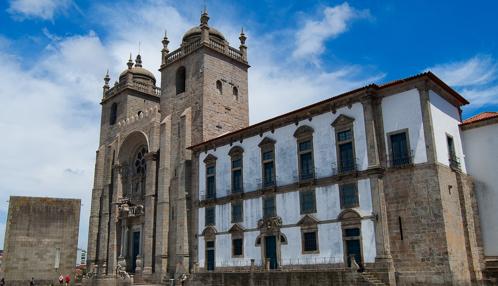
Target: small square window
(269, 209)
(349, 196)
(210, 216)
(237, 247)
(310, 243)
(400, 156)
(210, 244)
(237, 212)
(308, 204)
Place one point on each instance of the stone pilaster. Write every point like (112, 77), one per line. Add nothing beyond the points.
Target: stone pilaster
(163, 206)
(150, 187)
(93, 232)
(427, 121)
(370, 131)
(382, 243)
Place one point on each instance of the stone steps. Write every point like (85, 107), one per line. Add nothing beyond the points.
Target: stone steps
(372, 279)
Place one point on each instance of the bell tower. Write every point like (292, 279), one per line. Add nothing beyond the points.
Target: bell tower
(204, 94)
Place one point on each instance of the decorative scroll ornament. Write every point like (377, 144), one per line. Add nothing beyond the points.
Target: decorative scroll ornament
(270, 224)
(127, 209)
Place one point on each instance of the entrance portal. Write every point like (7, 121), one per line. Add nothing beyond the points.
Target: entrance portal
(353, 248)
(135, 250)
(271, 251)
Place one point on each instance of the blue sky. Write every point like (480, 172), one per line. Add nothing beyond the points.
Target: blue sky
(54, 54)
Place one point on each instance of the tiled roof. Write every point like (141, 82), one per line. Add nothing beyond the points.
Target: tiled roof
(480, 117)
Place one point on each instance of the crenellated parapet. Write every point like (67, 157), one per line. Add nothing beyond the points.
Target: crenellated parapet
(148, 115)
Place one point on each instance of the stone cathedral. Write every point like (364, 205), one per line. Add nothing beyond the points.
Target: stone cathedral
(375, 186)
(140, 213)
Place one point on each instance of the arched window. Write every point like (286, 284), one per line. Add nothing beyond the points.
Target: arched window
(219, 87)
(114, 114)
(235, 92)
(139, 169)
(180, 80)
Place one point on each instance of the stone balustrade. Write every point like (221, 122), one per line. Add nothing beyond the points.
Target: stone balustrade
(221, 47)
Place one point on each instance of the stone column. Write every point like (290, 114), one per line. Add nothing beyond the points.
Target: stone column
(150, 186)
(427, 121)
(382, 243)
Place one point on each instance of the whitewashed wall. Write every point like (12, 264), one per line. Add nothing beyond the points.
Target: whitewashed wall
(481, 158)
(288, 208)
(286, 161)
(445, 120)
(287, 204)
(403, 111)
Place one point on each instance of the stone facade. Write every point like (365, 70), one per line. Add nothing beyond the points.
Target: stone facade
(418, 220)
(139, 222)
(41, 239)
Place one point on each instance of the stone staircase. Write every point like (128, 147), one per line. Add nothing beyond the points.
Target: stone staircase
(372, 279)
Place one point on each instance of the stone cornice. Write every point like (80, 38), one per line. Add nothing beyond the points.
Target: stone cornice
(427, 80)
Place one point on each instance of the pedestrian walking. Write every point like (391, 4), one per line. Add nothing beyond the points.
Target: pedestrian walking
(2, 282)
(61, 280)
(68, 279)
(32, 282)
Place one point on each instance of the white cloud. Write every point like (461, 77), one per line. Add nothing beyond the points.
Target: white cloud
(336, 20)
(50, 116)
(477, 70)
(43, 9)
(475, 78)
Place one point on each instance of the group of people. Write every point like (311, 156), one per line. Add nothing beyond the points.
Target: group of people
(62, 279)
(67, 279)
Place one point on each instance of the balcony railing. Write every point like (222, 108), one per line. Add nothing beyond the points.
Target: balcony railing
(208, 196)
(400, 161)
(267, 183)
(454, 162)
(307, 175)
(345, 167)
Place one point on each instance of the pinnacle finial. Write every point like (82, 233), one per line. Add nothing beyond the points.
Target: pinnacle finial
(138, 61)
(130, 62)
(165, 40)
(107, 78)
(242, 37)
(204, 17)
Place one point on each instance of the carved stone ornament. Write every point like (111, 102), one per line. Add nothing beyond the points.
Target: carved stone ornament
(270, 224)
(127, 209)
(121, 268)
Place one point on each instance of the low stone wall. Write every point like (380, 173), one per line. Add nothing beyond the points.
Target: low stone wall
(277, 278)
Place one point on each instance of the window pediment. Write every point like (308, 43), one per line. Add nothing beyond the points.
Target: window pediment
(210, 159)
(307, 221)
(266, 141)
(236, 150)
(303, 131)
(209, 232)
(349, 215)
(236, 228)
(342, 120)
